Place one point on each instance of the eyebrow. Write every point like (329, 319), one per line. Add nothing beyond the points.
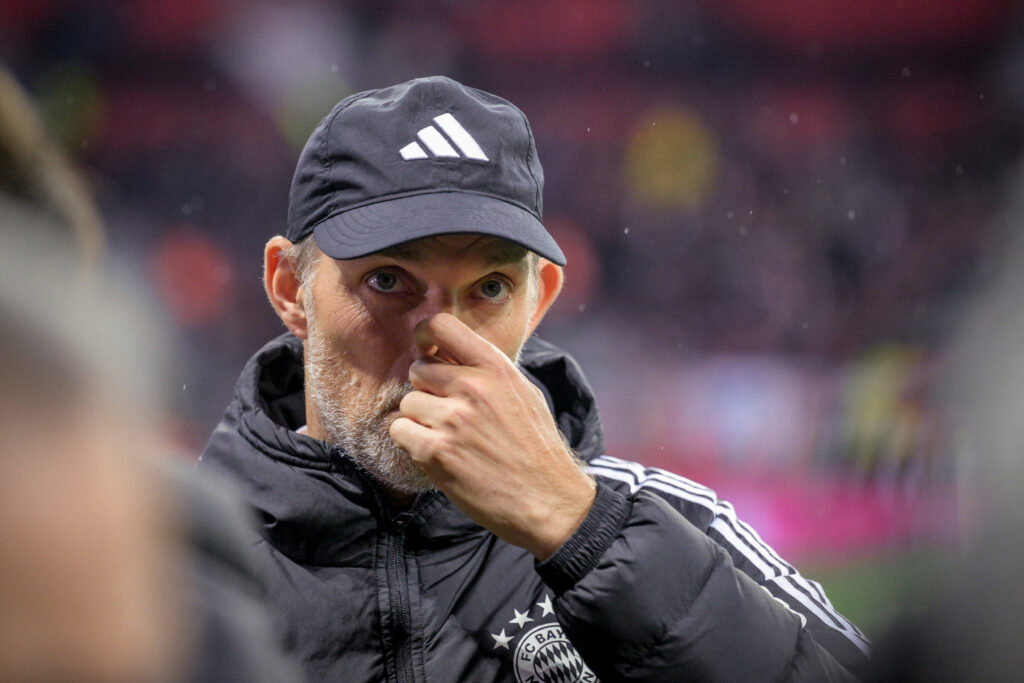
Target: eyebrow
(503, 254)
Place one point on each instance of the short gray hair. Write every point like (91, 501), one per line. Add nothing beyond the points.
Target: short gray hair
(304, 255)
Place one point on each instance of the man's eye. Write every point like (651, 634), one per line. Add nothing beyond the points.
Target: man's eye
(385, 281)
(494, 289)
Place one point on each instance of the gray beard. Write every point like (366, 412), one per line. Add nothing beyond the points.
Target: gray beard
(359, 426)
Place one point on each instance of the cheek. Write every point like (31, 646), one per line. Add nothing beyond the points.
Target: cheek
(371, 345)
(507, 331)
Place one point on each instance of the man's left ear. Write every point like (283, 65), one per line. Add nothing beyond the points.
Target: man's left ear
(549, 284)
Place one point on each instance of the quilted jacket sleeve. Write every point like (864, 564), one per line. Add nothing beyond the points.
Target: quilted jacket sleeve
(645, 594)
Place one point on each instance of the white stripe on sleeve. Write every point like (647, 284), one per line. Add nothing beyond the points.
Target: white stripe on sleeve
(737, 535)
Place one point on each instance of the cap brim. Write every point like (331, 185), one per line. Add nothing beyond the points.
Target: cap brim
(367, 229)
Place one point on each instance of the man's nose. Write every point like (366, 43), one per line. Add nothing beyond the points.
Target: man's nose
(433, 303)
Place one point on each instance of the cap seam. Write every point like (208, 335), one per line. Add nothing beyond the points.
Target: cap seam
(529, 166)
(330, 126)
(444, 170)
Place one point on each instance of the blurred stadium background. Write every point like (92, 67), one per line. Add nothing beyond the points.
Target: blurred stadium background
(772, 213)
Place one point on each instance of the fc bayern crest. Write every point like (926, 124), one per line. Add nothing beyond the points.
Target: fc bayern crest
(545, 655)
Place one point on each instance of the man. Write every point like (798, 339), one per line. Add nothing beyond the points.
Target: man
(435, 500)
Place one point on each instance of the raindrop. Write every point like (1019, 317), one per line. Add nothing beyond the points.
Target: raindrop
(959, 169)
(794, 118)
(588, 129)
(744, 230)
(730, 215)
(582, 307)
(183, 387)
(906, 72)
(647, 63)
(842, 160)
(851, 214)
(193, 205)
(334, 68)
(625, 231)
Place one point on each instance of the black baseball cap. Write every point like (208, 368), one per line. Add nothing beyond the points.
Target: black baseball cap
(427, 157)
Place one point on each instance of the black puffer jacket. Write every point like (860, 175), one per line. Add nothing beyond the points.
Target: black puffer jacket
(660, 583)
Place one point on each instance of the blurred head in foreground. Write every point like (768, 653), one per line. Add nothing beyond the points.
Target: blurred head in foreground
(88, 587)
(972, 631)
(85, 561)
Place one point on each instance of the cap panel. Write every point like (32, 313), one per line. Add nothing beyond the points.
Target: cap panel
(421, 138)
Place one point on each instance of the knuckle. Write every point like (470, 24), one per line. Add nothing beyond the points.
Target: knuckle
(472, 385)
(436, 451)
(457, 415)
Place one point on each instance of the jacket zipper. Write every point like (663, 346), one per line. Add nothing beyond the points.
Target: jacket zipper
(401, 612)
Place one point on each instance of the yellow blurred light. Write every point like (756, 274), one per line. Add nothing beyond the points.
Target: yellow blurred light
(671, 160)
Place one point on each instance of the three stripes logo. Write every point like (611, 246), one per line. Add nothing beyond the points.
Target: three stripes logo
(440, 145)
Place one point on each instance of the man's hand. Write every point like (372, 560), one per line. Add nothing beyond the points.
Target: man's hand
(484, 435)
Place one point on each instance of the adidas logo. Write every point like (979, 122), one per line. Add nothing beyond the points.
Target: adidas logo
(440, 146)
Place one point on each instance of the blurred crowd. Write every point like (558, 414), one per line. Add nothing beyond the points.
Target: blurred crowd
(771, 211)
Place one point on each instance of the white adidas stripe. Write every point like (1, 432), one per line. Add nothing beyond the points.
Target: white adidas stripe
(436, 142)
(852, 633)
(440, 146)
(691, 491)
(737, 534)
(460, 136)
(413, 151)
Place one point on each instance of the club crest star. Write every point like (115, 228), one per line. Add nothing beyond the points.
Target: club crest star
(501, 640)
(546, 606)
(520, 618)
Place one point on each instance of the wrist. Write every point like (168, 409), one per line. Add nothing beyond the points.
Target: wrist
(584, 549)
(559, 524)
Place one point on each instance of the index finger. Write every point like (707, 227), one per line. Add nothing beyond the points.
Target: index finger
(453, 339)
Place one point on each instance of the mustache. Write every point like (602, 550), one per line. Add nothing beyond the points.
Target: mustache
(391, 397)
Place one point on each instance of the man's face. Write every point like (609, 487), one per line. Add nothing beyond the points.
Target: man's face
(361, 315)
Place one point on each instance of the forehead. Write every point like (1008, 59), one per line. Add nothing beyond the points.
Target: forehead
(485, 248)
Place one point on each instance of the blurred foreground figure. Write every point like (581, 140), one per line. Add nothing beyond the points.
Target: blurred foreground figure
(973, 631)
(89, 580)
(435, 497)
(115, 565)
